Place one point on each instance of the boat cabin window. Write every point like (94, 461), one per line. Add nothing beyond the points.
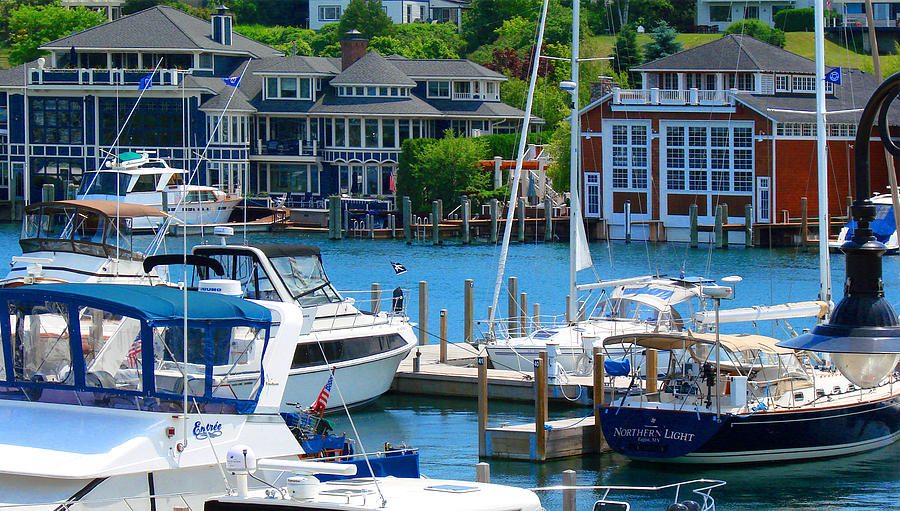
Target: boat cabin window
(93, 357)
(200, 196)
(175, 180)
(73, 229)
(145, 183)
(104, 183)
(340, 350)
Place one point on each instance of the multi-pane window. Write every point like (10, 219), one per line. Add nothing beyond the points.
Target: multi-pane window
(288, 88)
(709, 158)
(720, 13)
(782, 83)
(57, 120)
(329, 12)
(156, 122)
(439, 89)
(803, 83)
(668, 81)
(630, 163)
(742, 81)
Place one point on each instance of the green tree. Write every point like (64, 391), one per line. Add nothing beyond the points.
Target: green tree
(662, 42)
(32, 26)
(441, 169)
(421, 41)
(6, 9)
(758, 29)
(560, 144)
(626, 54)
(550, 102)
(366, 16)
(285, 39)
(486, 16)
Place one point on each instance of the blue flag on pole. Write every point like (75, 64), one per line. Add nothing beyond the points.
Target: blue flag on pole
(833, 76)
(146, 82)
(234, 81)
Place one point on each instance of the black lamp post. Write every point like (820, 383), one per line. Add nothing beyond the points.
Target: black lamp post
(863, 334)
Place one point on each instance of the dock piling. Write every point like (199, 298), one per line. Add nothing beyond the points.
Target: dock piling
(598, 396)
(695, 236)
(523, 313)
(719, 230)
(521, 214)
(376, 298)
(748, 225)
(512, 308)
(494, 212)
(548, 220)
(540, 406)
(467, 215)
(392, 225)
(436, 222)
(423, 312)
(627, 221)
(568, 479)
(536, 319)
(407, 219)
(370, 224)
(483, 472)
(469, 310)
(443, 353)
(482, 405)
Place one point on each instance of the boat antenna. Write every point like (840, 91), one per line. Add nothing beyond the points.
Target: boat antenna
(160, 236)
(520, 156)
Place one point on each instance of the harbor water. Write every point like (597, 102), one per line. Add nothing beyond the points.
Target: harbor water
(445, 429)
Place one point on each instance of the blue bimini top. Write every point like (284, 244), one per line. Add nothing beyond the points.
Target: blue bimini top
(149, 303)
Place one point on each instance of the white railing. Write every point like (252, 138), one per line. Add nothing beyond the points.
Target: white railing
(655, 96)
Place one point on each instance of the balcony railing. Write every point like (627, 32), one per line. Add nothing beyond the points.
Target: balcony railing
(657, 96)
(859, 20)
(48, 76)
(286, 147)
(476, 96)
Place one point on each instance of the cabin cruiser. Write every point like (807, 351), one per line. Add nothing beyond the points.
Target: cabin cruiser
(82, 241)
(141, 178)
(641, 304)
(363, 349)
(743, 399)
(883, 227)
(101, 402)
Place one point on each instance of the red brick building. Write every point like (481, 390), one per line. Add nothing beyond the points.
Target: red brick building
(720, 123)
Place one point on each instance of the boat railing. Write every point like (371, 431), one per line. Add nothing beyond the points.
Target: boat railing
(176, 500)
(612, 497)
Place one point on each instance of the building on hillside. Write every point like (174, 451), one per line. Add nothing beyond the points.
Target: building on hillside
(300, 127)
(715, 125)
(717, 14)
(853, 23)
(112, 9)
(322, 12)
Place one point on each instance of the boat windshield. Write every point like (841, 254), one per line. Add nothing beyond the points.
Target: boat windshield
(104, 183)
(637, 310)
(305, 279)
(64, 352)
(65, 228)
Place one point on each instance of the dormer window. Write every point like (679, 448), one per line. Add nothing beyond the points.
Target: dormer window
(372, 91)
(439, 90)
(288, 87)
(782, 83)
(803, 83)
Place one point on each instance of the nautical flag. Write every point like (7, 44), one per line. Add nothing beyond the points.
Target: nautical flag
(146, 82)
(234, 81)
(322, 400)
(134, 354)
(399, 269)
(833, 76)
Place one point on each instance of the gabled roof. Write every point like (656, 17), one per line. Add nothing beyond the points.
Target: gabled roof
(300, 64)
(440, 68)
(411, 105)
(160, 27)
(373, 69)
(735, 53)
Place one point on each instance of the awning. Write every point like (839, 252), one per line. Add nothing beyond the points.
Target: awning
(673, 341)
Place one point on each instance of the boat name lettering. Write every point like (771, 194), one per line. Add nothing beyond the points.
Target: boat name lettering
(202, 431)
(653, 433)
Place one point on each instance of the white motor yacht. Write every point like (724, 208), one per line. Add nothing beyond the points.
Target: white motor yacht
(883, 227)
(141, 178)
(82, 241)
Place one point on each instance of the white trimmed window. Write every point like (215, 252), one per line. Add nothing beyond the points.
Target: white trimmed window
(630, 163)
(439, 90)
(803, 83)
(329, 13)
(782, 83)
(288, 87)
(712, 157)
(742, 81)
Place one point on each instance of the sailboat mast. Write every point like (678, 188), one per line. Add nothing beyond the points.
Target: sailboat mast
(824, 260)
(574, 155)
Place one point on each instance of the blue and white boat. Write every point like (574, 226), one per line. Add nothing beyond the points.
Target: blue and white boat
(754, 402)
(883, 227)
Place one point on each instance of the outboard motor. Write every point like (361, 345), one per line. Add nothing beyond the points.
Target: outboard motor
(709, 374)
(397, 301)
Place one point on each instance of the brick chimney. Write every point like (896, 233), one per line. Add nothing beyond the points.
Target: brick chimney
(353, 48)
(603, 86)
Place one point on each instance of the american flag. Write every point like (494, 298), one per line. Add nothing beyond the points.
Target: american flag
(134, 353)
(322, 400)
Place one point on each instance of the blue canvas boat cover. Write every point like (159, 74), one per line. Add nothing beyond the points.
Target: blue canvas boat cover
(882, 227)
(148, 303)
(615, 367)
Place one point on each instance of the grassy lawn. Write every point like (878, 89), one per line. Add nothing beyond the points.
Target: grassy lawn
(801, 43)
(4, 58)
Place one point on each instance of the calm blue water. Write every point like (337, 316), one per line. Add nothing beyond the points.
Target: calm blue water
(445, 429)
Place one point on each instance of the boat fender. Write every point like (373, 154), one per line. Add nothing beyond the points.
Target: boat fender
(397, 300)
(676, 507)
(691, 505)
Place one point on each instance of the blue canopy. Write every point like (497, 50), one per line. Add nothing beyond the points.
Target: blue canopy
(148, 303)
(883, 226)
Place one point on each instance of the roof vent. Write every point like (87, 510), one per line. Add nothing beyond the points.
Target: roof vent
(221, 26)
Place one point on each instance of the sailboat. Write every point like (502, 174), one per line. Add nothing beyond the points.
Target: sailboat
(742, 398)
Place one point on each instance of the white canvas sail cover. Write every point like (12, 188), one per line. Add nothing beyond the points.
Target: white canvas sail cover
(582, 252)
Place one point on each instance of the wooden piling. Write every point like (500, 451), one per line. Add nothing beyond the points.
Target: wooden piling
(651, 370)
(483, 472)
(695, 227)
(423, 312)
(512, 309)
(48, 193)
(435, 223)
(804, 223)
(370, 226)
(748, 225)
(376, 298)
(719, 230)
(627, 221)
(469, 311)
(406, 211)
(494, 212)
(536, 318)
(467, 215)
(540, 406)
(334, 218)
(482, 405)
(521, 215)
(598, 396)
(523, 313)
(392, 224)
(548, 220)
(442, 357)
(568, 479)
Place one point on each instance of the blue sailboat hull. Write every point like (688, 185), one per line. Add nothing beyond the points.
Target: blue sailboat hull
(689, 436)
